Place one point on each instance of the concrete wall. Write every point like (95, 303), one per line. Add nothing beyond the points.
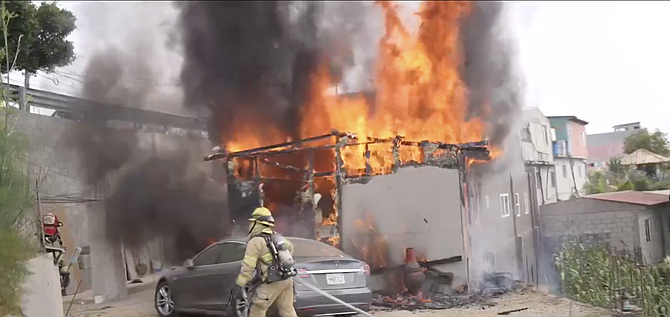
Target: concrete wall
(615, 223)
(62, 177)
(564, 176)
(42, 297)
(415, 207)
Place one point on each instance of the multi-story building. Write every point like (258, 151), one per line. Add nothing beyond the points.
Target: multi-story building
(603, 146)
(570, 154)
(537, 139)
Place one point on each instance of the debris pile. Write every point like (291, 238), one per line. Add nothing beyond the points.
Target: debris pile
(406, 301)
(437, 292)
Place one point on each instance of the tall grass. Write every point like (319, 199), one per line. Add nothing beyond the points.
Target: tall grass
(15, 198)
(594, 274)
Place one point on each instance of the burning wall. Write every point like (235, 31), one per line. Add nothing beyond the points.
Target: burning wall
(417, 207)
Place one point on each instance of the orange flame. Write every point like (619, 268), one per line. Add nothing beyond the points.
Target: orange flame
(418, 91)
(418, 95)
(371, 245)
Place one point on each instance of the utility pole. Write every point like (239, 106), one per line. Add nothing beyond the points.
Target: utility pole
(26, 85)
(109, 273)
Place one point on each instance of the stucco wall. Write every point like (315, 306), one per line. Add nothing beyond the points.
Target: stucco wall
(652, 250)
(415, 207)
(579, 140)
(495, 234)
(564, 176)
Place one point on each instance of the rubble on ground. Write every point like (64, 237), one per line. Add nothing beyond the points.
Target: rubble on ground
(437, 301)
(437, 297)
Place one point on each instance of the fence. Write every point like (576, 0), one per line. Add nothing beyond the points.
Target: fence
(598, 275)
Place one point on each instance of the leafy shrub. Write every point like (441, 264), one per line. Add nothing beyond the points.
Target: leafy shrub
(15, 200)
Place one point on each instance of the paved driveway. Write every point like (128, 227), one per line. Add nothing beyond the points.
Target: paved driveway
(539, 305)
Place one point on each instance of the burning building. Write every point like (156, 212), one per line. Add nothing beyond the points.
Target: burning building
(401, 194)
(381, 172)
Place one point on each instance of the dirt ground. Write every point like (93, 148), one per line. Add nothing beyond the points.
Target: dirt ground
(538, 304)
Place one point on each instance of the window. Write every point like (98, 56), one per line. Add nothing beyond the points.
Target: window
(647, 230)
(232, 252)
(565, 171)
(504, 205)
(526, 202)
(545, 134)
(209, 256)
(539, 180)
(579, 169)
(583, 138)
(487, 202)
(553, 178)
(517, 205)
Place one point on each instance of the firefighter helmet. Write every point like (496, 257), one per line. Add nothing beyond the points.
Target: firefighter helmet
(262, 216)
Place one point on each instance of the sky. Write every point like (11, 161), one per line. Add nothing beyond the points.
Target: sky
(607, 63)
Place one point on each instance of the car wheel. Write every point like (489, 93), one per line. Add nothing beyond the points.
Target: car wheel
(164, 301)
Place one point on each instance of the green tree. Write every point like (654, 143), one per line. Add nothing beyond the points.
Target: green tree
(615, 166)
(596, 183)
(656, 142)
(15, 192)
(40, 33)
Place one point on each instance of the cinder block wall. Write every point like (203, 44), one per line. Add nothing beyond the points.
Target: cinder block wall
(611, 222)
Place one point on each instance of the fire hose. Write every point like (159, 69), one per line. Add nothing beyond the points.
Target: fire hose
(242, 305)
(331, 297)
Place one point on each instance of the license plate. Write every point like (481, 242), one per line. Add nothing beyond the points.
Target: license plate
(335, 279)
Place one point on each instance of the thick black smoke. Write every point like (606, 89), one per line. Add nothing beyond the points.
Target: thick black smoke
(154, 185)
(490, 69)
(158, 198)
(252, 60)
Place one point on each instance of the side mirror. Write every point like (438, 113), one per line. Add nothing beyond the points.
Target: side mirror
(188, 264)
(60, 224)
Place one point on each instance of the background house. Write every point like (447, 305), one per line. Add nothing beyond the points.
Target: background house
(624, 220)
(603, 146)
(537, 139)
(570, 154)
(505, 227)
(645, 161)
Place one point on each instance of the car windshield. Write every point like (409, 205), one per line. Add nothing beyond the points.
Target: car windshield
(311, 248)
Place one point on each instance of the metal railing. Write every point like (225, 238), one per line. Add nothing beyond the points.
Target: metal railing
(27, 97)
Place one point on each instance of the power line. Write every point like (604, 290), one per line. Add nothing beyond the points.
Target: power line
(55, 81)
(80, 78)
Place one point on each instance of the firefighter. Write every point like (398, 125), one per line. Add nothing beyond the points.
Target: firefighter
(259, 258)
